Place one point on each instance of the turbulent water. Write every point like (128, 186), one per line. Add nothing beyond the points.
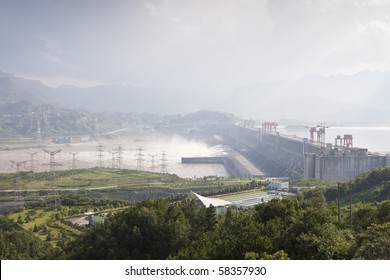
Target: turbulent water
(137, 153)
(375, 139)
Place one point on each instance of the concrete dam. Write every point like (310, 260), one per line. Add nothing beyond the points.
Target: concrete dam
(280, 155)
(236, 164)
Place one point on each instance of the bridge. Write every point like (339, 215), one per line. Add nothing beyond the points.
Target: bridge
(280, 155)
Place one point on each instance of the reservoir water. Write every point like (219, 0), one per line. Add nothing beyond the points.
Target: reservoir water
(375, 139)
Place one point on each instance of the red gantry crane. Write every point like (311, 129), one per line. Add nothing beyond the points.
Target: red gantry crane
(346, 141)
(319, 132)
(269, 126)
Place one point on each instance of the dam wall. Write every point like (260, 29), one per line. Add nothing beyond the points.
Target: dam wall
(202, 160)
(235, 164)
(281, 155)
(344, 167)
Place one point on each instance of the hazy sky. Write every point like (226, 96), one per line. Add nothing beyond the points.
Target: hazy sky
(202, 45)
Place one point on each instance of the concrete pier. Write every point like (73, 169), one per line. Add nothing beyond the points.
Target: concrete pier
(236, 164)
(202, 160)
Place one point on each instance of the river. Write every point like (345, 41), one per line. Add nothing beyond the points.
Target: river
(153, 145)
(138, 152)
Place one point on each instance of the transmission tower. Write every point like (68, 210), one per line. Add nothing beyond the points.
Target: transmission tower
(163, 163)
(18, 180)
(96, 128)
(139, 158)
(52, 165)
(119, 157)
(113, 159)
(99, 149)
(52, 162)
(39, 134)
(32, 160)
(153, 163)
(74, 160)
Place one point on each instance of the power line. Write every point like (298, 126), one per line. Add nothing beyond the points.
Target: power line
(153, 164)
(32, 160)
(99, 149)
(119, 157)
(163, 163)
(74, 160)
(139, 158)
(38, 134)
(113, 160)
(53, 164)
(18, 180)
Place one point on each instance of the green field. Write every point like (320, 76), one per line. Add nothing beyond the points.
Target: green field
(95, 190)
(96, 178)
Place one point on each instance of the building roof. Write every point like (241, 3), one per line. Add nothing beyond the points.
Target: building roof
(207, 201)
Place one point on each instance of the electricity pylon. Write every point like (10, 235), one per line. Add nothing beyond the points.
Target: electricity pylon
(163, 163)
(139, 158)
(52, 165)
(99, 149)
(153, 163)
(18, 180)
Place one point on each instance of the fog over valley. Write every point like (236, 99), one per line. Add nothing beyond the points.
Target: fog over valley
(305, 60)
(215, 130)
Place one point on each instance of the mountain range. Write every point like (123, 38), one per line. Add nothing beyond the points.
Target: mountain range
(361, 98)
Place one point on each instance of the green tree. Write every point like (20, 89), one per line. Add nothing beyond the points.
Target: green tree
(36, 229)
(363, 215)
(49, 235)
(20, 219)
(374, 243)
(279, 255)
(383, 214)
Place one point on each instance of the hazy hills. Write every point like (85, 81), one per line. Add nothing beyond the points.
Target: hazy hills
(128, 99)
(361, 98)
(14, 89)
(111, 98)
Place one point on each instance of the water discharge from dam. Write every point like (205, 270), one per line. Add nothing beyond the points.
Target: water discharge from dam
(152, 147)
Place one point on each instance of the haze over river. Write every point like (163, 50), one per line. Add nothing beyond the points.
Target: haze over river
(375, 139)
(174, 146)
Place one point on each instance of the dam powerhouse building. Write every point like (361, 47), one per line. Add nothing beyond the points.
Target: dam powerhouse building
(281, 155)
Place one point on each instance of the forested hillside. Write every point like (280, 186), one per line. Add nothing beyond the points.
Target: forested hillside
(300, 227)
(20, 119)
(289, 228)
(17, 243)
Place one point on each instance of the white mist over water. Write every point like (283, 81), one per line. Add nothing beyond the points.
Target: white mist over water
(175, 147)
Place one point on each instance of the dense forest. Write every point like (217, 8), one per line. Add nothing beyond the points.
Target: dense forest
(291, 228)
(306, 226)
